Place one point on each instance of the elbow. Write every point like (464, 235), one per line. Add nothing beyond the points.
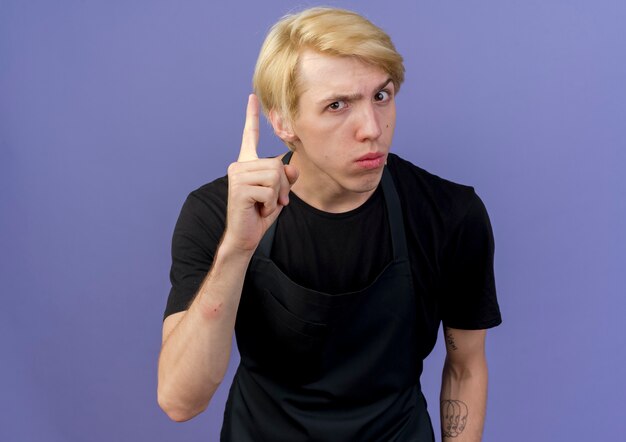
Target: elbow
(467, 364)
(466, 369)
(176, 409)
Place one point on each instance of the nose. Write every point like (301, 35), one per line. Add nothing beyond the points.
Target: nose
(368, 125)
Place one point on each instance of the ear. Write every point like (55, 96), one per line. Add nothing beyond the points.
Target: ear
(282, 127)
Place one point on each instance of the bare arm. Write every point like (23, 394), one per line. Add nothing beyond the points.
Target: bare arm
(464, 386)
(196, 344)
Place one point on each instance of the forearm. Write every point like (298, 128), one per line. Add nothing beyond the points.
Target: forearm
(463, 400)
(194, 356)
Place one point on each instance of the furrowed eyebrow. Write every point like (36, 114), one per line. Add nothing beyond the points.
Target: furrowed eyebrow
(384, 84)
(352, 97)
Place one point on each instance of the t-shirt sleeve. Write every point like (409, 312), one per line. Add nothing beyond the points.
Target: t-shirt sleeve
(469, 290)
(196, 237)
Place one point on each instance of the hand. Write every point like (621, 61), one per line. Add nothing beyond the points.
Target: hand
(258, 189)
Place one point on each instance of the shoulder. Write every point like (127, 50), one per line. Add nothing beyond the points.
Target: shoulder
(203, 214)
(207, 200)
(198, 230)
(451, 245)
(420, 191)
(210, 194)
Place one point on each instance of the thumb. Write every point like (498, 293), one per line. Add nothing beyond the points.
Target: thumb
(292, 173)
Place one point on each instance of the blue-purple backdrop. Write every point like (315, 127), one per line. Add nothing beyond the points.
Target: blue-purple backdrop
(112, 111)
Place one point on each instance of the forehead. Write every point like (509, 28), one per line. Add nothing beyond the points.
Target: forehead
(337, 75)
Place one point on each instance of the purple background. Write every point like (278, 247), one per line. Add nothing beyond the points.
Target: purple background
(112, 111)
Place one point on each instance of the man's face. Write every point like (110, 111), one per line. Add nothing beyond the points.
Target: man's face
(344, 126)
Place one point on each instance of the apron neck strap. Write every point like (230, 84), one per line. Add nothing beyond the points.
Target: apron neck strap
(394, 214)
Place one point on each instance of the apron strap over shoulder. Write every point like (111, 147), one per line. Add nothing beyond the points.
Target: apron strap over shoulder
(394, 212)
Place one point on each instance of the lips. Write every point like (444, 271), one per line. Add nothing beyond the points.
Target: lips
(371, 156)
(371, 160)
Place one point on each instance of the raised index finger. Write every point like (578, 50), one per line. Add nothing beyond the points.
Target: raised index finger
(250, 138)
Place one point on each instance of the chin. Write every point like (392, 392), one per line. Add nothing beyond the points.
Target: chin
(366, 183)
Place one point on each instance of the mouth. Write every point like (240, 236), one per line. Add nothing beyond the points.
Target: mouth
(371, 160)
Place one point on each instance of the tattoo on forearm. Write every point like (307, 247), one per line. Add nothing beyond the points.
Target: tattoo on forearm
(453, 417)
(449, 339)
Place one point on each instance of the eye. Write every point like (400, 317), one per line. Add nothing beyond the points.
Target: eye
(382, 96)
(337, 105)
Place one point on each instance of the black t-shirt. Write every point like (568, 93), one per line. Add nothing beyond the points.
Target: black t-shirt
(449, 238)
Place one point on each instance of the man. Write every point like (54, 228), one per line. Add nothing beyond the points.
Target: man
(334, 264)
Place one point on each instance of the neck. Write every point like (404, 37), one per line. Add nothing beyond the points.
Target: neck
(319, 190)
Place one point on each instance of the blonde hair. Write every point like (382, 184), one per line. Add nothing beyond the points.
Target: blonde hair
(330, 31)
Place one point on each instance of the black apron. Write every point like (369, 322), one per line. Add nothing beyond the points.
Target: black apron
(328, 367)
